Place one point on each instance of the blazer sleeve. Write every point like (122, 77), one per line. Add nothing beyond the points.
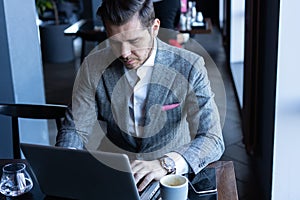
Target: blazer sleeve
(207, 143)
(81, 114)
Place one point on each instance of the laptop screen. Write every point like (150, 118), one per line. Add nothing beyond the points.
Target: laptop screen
(81, 174)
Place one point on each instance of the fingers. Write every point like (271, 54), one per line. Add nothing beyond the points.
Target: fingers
(136, 166)
(148, 178)
(140, 175)
(146, 171)
(140, 165)
(139, 169)
(146, 181)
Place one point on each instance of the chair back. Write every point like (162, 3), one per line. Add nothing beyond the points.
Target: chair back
(30, 111)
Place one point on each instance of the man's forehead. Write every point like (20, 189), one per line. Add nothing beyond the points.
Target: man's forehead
(129, 35)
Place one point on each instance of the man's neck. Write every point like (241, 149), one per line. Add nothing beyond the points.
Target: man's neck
(152, 53)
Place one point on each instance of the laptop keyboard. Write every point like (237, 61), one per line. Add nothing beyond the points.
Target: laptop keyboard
(151, 192)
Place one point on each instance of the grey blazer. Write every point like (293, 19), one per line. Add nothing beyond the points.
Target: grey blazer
(180, 111)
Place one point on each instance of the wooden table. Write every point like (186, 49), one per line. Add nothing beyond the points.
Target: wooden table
(226, 182)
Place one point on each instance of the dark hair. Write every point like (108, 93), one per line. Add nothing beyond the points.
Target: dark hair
(119, 12)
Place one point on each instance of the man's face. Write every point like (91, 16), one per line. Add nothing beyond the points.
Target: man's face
(132, 42)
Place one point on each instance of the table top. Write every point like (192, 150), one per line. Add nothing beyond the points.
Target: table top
(87, 29)
(226, 182)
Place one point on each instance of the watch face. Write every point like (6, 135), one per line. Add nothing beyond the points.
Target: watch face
(168, 164)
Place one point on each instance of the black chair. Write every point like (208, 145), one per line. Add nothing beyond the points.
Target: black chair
(30, 111)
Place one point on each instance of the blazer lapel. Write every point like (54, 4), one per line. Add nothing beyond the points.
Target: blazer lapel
(120, 92)
(161, 82)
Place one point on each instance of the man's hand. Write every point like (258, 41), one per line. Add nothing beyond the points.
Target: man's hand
(148, 171)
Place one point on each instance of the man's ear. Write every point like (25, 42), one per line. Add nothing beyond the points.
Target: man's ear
(155, 26)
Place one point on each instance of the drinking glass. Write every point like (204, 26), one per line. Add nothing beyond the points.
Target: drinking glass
(15, 180)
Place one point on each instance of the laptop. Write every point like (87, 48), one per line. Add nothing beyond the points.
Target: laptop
(80, 174)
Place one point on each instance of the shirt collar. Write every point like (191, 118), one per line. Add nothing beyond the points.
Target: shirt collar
(145, 69)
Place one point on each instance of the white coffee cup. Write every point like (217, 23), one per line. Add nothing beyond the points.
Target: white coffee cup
(173, 187)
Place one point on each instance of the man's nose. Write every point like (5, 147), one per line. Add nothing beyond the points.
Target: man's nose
(125, 50)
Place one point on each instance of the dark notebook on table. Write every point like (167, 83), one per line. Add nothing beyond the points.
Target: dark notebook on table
(78, 174)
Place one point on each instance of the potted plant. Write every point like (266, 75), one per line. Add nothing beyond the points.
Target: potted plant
(55, 17)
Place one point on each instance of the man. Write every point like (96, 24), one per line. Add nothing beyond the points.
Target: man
(152, 101)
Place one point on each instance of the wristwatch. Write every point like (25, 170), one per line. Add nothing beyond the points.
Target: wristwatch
(168, 164)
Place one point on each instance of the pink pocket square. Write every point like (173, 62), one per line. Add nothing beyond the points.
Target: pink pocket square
(170, 106)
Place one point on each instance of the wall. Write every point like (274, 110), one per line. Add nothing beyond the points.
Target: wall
(237, 31)
(6, 88)
(221, 13)
(237, 37)
(287, 118)
(21, 72)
